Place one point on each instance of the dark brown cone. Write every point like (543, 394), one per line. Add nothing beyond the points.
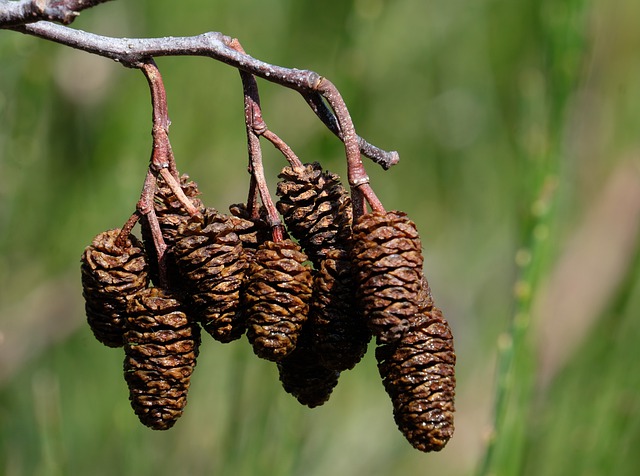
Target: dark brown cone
(251, 231)
(171, 214)
(425, 299)
(316, 209)
(210, 257)
(303, 375)
(340, 333)
(161, 346)
(109, 275)
(276, 299)
(418, 373)
(387, 259)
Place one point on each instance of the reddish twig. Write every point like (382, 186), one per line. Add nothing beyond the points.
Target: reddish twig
(357, 175)
(381, 157)
(175, 187)
(162, 158)
(125, 231)
(257, 172)
(282, 146)
(259, 126)
(255, 126)
(370, 197)
(253, 207)
(252, 116)
(162, 163)
(146, 209)
(162, 154)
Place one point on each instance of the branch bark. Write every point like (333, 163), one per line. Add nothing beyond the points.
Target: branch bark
(132, 52)
(29, 11)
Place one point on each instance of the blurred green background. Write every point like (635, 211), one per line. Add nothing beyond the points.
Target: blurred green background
(517, 125)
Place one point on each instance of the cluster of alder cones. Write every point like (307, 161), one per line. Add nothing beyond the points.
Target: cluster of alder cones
(309, 299)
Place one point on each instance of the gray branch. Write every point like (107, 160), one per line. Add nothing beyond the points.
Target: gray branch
(133, 52)
(14, 13)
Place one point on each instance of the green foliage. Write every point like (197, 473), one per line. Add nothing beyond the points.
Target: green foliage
(510, 118)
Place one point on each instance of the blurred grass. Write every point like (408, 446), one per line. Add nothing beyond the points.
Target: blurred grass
(488, 103)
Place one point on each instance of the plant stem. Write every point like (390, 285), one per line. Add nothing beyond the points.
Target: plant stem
(161, 154)
(252, 117)
(319, 107)
(16, 13)
(132, 52)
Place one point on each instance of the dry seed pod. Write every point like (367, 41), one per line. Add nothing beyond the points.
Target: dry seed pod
(276, 298)
(418, 373)
(340, 333)
(109, 275)
(161, 346)
(251, 231)
(386, 254)
(303, 375)
(316, 209)
(171, 214)
(425, 299)
(210, 257)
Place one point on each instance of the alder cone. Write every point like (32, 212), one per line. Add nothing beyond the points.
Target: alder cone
(277, 298)
(303, 375)
(340, 333)
(161, 346)
(171, 214)
(316, 209)
(418, 373)
(425, 299)
(251, 230)
(109, 275)
(209, 255)
(387, 258)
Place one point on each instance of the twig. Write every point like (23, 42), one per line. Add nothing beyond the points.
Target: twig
(283, 147)
(162, 158)
(31, 11)
(146, 209)
(358, 178)
(252, 115)
(385, 159)
(161, 155)
(175, 187)
(162, 163)
(132, 52)
(257, 171)
(256, 122)
(125, 231)
(253, 207)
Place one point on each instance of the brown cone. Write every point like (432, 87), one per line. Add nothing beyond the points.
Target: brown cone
(251, 231)
(210, 257)
(303, 375)
(109, 275)
(160, 355)
(316, 209)
(387, 258)
(340, 333)
(171, 214)
(418, 373)
(276, 298)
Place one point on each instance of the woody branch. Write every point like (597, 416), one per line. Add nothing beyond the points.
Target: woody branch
(132, 52)
(14, 13)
